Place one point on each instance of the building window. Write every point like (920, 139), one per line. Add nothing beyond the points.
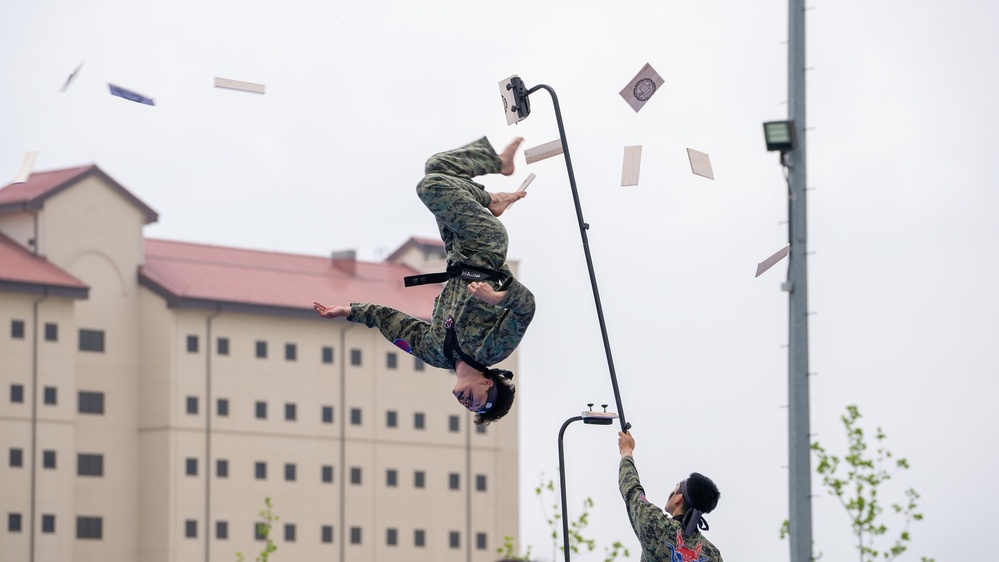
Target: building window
(355, 357)
(89, 527)
(88, 464)
(48, 523)
(17, 393)
(453, 424)
(355, 535)
(260, 470)
(327, 414)
(289, 472)
(391, 360)
(480, 428)
(261, 410)
(454, 539)
(90, 402)
(222, 530)
(17, 329)
(48, 459)
(480, 541)
(419, 420)
(92, 340)
(355, 416)
(355, 475)
(454, 481)
(222, 468)
(261, 350)
(14, 522)
(327, 534)
(222, 407)
(290, 412)
(391, 536)
(419, 537)
(290, 352)
(418, 364)
(192, 344)
(391, 478)
(327, 470)
(391, 418)
(260, 531)
(191, 466)
(50, 395)
(190, 528)
(51, 332)
(480, 482)
(327, 354)
(289, 532)
(222, 346)
(16, 458)
(192, 404)
(419, 479)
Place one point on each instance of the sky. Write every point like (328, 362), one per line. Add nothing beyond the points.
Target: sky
(903, 264)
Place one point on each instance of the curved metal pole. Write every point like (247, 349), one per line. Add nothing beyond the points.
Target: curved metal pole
(586, 250)
(561, 481)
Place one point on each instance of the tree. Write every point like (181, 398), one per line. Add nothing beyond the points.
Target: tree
(264, 530)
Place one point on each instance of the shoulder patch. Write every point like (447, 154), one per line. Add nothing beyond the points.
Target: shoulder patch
(403, 345)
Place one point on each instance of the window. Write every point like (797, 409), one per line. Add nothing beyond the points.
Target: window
(89, 527)
(48, 459)
(192, 344)
(355, 416)
(290, 412)
(48, 523)
(289, 472)
(261, 350)
(327, 533)
(16, 458)
(419, 537)
(222, 530)
(190, 528)
(222, 468)
(355, 475)
(391, 536)
(327, 414)
(419, 420)
(327, 354)
(289, 532)
(260, 470)
(92, 340)
(355, 535)
(50, 395)
(89, 464)
(260, 531)
(419, 479)
(391, 360)
(222, 347)
(14, 522)
(51, 332)
(480, 482)
(222, 407)
(17, 393)
(327, 470)
(453, 424)
(192, 404)
(480, 541)
(418, 364)
(91, 402)
(391, 478)
(480, 428)
(191, 466)
(391, 418)
(261, 410)
(355, 357)
(290, 352)
(454, 481)
(17, 329)
(454, 539)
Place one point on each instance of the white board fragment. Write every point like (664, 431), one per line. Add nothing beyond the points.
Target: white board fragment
(27, 164)
(523, 187)
(631, 166)
(700, 163)
(772, 260)
(239, 85)
(70, 79)
(540, 152)
(646, 83)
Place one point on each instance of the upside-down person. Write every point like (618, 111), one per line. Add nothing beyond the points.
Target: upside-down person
(482, 312)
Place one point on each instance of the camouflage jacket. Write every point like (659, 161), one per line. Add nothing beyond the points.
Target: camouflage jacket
(661, 536)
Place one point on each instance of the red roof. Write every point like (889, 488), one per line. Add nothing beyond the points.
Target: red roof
(201, 274)
(419, 242)
(20, 269)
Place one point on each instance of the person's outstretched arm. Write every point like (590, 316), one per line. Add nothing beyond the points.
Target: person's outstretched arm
(393, 324)
(646, 519)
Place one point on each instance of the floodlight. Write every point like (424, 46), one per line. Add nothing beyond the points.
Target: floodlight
(779, 135)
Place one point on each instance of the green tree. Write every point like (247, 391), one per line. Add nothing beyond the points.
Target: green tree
(264, 530)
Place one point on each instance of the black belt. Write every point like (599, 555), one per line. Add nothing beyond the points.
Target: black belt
(452, 348)
(467, 272)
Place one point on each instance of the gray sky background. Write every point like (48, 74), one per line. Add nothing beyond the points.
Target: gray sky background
(902, 221)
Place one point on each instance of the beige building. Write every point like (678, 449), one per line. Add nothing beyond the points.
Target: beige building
(154, 393)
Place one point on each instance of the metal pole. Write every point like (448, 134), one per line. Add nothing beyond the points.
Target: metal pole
(561, 483)
(800, 489)
(586, 250)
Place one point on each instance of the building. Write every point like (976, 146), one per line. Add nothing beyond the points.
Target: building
(156, 392)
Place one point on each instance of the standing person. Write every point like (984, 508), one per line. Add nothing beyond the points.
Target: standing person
(674, 536)
(482, 312)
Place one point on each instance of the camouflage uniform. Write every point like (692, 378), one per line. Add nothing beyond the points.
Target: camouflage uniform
(661, 536)
(472, 236)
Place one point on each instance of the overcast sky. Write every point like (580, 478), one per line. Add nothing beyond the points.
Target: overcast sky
(902, 218)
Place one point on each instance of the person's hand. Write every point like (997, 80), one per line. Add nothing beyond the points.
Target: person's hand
(485, 293)
(625, 442)
(331, 311)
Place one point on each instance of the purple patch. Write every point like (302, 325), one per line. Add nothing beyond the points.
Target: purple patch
(403, 345)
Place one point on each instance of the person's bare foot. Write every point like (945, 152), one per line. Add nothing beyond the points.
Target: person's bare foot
(485, 293)
(506, 157)
(500, 201)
